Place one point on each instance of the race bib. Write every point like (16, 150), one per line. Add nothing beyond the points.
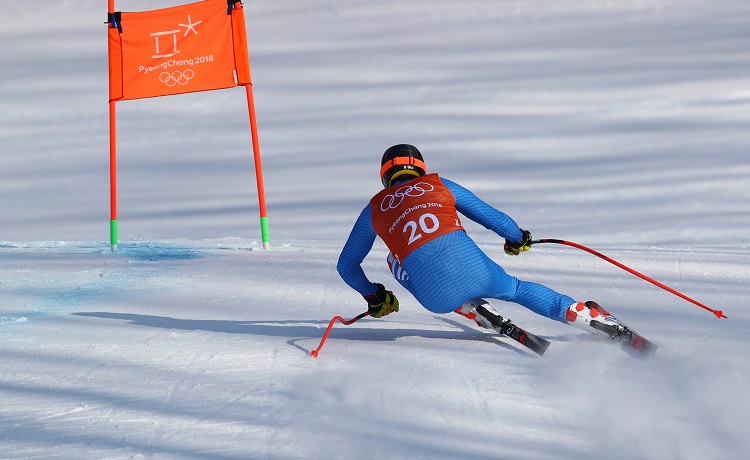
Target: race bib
(413, 213)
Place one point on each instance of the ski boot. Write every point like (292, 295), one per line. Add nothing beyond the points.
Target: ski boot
(592, 317)
(482, 313)
(488, 316)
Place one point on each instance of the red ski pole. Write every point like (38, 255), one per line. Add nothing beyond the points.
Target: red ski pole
(717, 313)
(314, 353)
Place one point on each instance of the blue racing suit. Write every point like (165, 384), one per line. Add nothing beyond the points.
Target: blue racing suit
(446, 272)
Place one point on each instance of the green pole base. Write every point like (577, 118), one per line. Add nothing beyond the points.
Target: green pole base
(113, 234)
(264, 232)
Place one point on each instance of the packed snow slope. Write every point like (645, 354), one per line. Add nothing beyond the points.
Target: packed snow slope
(618, 125)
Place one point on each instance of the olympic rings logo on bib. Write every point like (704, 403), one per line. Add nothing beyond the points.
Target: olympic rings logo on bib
(395, 200)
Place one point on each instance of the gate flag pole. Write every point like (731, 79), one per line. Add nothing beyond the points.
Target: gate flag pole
(254, 133)
(258, 168)
(112, 148)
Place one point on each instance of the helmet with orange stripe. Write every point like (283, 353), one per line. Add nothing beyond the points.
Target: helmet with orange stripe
(401, 163)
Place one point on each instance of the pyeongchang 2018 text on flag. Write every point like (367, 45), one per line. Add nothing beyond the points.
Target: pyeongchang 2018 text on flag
(194, 47)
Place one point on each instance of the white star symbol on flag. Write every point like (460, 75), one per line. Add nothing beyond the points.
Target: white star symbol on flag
(190, 26)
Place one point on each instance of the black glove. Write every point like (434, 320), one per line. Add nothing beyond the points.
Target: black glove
(382, 302)
(513, 249)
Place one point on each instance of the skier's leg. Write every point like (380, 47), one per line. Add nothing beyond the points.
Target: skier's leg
(589, 316)
(482, 277)
(542, 300)
(466, 272)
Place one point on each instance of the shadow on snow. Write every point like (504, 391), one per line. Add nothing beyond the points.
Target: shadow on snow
(297, 330)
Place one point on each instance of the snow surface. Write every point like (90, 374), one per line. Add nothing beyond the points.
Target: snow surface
(619, 125)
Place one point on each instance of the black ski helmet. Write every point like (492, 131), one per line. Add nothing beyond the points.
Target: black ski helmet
(401, 162)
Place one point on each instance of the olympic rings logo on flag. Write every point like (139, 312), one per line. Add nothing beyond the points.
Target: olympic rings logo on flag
(395, 200)
(176, 76)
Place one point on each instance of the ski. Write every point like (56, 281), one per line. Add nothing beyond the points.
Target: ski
(505, 327)
(601, 323)
(627, 338)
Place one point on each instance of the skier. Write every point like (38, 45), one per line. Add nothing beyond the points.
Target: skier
(416, 215)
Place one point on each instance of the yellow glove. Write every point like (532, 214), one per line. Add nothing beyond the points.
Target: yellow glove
(513, 249)
(382, 302)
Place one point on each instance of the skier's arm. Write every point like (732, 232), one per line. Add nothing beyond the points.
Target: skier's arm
(477, 210)
(355, 250)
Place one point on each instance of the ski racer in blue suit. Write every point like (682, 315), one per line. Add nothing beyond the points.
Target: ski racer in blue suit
(431, 255)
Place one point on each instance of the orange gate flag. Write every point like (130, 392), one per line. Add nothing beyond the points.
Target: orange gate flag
(194, 47)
